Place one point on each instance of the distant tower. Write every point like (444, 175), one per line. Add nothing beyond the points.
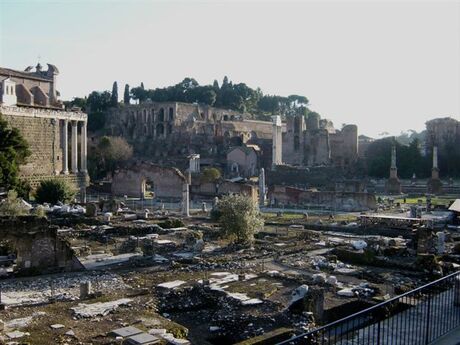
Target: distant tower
(434, 185)
(393, 185)
(277, 142)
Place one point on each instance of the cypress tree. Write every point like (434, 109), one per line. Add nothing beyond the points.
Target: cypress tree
(126, 96)
(114, 98)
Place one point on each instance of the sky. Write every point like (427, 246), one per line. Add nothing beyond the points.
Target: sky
(386, 66)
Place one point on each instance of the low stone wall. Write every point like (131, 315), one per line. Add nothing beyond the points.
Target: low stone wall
(167, 182)
(346, 201)
(37, 244)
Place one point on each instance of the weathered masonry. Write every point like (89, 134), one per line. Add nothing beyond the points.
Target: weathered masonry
(57, 138)
(37, 244)
(52, 135)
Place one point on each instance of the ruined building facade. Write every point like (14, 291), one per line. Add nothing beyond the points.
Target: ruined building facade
(311, 141)
(57, 138)
(164, 130)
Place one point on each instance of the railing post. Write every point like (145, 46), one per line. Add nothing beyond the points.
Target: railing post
(378, 333)
(427, 334)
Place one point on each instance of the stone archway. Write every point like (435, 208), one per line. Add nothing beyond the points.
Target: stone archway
(167, 182)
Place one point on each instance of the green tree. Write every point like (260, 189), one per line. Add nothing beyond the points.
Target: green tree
(54, 191)
(239, 218)
(14, 150)
(114, 97)
(210, 175)
(126, 96)
(76, 102)
(96, 106)
(107, 156)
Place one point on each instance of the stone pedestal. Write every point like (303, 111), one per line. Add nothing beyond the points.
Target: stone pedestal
(393, 185)
(434, 185)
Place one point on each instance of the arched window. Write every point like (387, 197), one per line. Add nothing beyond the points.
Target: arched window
(171, 114)
(225, 117)
(145, 115)
(169, 129)
(161, 117)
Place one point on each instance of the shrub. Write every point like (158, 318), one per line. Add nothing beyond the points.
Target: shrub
(240, 218)
(12, 206)
(210, 175)
(172, 223)
(54, 191)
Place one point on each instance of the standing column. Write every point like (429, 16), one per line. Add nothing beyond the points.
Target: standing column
(185, 200)
(277, 142)
(83, 148)
(435, 157)
(74, 144)
(65, 147)
(262, 191)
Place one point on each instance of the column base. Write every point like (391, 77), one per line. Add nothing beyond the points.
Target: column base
(65, 172)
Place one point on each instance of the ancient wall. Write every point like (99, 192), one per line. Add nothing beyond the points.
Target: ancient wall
(209, 189)
(346, 201)
(246, 160)
(37, 244)
(184, 129)
(43, 130)
(166, 182)
(312, 142)
(344, 145)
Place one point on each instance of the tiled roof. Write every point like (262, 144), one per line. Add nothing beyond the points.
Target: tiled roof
(21, 74)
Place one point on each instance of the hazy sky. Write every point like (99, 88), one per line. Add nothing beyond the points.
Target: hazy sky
(386, 66)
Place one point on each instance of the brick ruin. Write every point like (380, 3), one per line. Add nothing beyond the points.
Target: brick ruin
(163, 182)
(57, 138)
(312, 141)
(48, 133)
(161, 130)
(37, 244)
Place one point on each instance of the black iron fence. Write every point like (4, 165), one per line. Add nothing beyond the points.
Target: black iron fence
(417, 317)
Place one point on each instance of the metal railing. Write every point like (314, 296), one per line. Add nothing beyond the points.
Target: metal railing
(417, 317)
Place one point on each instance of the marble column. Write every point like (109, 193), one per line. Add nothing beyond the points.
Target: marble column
(74, 147)
(65, 147)
(262, 191)
(83, 148)
(277, 142)
(185, 200)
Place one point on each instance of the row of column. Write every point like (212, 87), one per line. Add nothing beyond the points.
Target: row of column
(74, 147)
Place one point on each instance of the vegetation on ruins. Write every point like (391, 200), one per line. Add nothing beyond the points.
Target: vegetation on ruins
(228, 95)
(107, 156)
(210, 174)
(12, 206)
(231, 96)
(54, 191)
(14, 150)
(239, 218)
